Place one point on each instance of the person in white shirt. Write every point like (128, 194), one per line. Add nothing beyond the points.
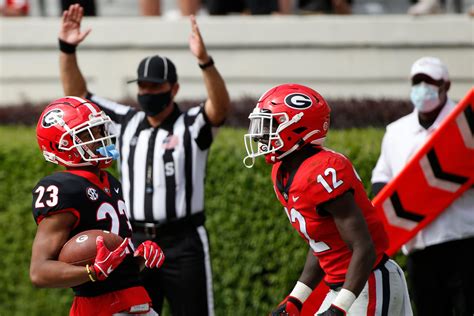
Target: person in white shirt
(441, 256)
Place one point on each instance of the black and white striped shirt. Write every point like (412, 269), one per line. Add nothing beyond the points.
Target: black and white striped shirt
(163, 168)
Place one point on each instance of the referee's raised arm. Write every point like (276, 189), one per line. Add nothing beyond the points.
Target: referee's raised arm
(70, 35)
(218, 102)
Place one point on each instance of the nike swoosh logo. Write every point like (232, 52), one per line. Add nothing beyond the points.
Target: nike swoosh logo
(295, 198)
(117, 190)
(109, 270)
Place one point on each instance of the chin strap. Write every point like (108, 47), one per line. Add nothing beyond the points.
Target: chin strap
(300, 143)
(50, 157)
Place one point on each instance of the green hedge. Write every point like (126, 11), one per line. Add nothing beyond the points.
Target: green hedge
(256, 255)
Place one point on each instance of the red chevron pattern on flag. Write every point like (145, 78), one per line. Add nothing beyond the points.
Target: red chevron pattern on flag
(441, 170)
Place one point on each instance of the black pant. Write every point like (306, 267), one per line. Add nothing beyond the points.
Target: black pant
(182, 279)
(442, 279)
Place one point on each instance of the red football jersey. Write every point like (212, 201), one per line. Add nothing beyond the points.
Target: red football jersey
(319, 179)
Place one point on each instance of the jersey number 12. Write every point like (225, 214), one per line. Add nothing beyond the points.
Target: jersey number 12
(335, 183)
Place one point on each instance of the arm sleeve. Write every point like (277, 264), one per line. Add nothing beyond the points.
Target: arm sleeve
(382, 171)
(199, 126)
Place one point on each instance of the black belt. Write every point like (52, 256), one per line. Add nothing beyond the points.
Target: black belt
(156, 229)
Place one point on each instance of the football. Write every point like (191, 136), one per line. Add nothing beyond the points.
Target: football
(81, 249)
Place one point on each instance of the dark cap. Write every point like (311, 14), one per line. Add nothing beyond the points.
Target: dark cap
(156, 69)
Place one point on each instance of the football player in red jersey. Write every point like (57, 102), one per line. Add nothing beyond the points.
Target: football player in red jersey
(325, 202)
(74, 132)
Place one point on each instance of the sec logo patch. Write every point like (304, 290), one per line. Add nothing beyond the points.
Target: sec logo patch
(92, 194)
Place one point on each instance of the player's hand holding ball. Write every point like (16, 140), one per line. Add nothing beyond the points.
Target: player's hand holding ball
(154, 256)
(333, 311)
(107, 261)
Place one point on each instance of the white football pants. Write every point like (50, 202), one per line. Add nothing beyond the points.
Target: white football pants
(384, 294)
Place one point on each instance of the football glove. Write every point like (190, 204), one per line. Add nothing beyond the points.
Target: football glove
(107, 261)
(290, 306)
(333, 310)
(154, 256)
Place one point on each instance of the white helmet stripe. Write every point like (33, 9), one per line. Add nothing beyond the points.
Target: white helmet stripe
(85, 102)
(93, 110)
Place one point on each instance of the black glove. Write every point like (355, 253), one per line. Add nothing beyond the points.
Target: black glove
(333, 311)
(290, 306)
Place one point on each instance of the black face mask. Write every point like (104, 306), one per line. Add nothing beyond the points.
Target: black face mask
(154, 104)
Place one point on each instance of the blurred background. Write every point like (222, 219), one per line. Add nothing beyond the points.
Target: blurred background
(367, 53)
(357, 54)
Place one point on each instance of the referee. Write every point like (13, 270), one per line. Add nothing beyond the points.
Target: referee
(163, 154)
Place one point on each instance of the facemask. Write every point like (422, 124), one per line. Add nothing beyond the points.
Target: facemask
(424, 97)
(154, 104)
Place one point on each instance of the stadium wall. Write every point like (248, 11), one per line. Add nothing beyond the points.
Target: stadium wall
(342, 57)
